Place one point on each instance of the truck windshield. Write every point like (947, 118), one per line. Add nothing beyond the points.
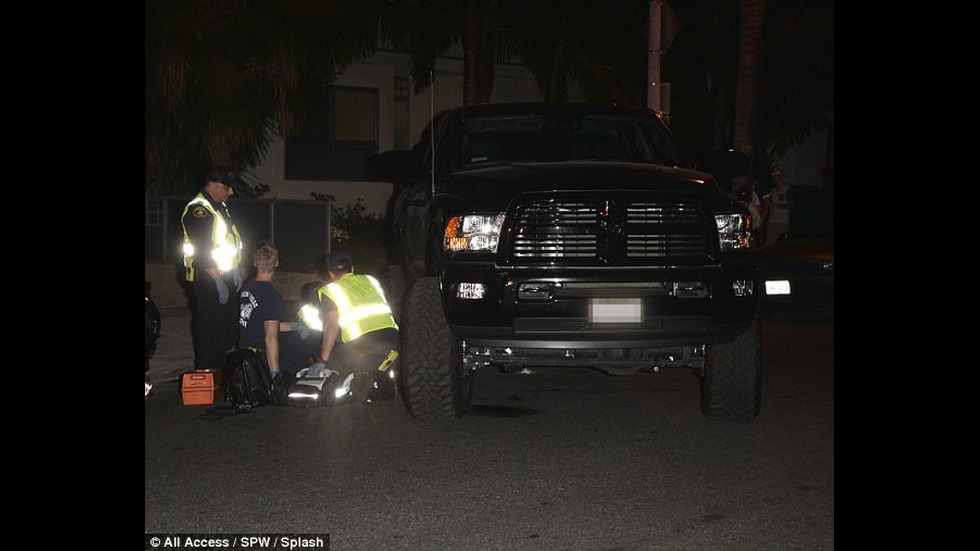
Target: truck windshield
(538, 138)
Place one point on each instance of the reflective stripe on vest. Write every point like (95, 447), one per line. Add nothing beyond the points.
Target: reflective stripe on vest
(226, 243)
(310, 315)
(361, 305)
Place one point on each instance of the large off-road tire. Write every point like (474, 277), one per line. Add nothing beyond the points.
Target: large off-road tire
(436, 386)
(393, 281)
(731, 385)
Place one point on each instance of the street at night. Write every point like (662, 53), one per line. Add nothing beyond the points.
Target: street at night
(545, 460)
(592, 242)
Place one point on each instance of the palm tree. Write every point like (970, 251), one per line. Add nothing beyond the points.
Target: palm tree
(477, 63)
(701, 67)
(426, 29)
(574, 42)
(717, 102)
(223, 77)
(600, 47)
(798, 76)
(751, 46)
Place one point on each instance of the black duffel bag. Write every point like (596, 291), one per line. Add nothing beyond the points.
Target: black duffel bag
(249, 383)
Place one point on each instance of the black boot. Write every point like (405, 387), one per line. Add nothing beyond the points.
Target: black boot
(383, 388)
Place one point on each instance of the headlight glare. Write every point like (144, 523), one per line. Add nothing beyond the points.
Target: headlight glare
(734, 231)
(473, 232)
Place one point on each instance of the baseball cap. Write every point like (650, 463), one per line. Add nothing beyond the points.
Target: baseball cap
(224, 175)
(339, 261)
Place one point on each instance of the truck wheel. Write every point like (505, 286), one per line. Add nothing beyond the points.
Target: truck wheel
(393, 281)
(435, 383)
(731, 385)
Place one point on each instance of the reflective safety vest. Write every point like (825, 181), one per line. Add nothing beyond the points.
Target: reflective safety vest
(226, 243)
(361, 305)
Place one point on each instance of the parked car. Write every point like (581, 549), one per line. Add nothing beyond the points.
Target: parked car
(151, 326)
(798, 274)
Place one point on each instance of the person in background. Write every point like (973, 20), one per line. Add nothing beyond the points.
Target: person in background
(744, 191)
(780, 205)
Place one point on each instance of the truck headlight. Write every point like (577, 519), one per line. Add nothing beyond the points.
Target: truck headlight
(473, 232)
(734, 231)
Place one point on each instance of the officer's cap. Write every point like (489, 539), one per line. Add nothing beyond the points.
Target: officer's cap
(224, 175)
(339, 262)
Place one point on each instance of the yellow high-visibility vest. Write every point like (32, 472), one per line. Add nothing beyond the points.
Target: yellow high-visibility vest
(361, 305)
(226, 242)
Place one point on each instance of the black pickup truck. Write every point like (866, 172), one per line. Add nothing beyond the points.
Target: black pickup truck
(567, 235)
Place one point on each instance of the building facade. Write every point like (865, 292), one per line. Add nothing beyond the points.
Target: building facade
(372, 108)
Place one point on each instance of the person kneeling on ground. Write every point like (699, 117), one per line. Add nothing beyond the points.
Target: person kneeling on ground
(360, 335)
(285, 346)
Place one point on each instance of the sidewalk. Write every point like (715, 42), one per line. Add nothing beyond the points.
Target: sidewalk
(175, 348)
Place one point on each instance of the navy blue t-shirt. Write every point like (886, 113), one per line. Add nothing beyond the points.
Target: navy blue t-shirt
(260, 302)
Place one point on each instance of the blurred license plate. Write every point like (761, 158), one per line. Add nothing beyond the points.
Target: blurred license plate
(778, 287)
(615, 310)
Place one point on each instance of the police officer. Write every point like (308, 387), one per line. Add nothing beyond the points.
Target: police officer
(359, 333)
(212, 253)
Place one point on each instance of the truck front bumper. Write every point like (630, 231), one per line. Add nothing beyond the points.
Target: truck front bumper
(598, 307)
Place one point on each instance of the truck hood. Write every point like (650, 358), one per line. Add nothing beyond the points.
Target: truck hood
(492, 188)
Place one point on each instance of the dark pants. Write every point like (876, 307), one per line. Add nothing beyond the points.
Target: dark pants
(362, 357)
(215, 325)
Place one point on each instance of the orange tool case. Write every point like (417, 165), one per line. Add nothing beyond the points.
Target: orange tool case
(200, 387)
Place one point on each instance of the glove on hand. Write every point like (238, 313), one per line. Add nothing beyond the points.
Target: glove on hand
(317, 369)
(302, 329)
(237, 275)
(222, 290)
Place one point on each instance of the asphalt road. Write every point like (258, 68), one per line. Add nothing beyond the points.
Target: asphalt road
(554, 459)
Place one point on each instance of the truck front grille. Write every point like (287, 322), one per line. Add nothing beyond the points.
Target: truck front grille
(606, 232)
(552, 229)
